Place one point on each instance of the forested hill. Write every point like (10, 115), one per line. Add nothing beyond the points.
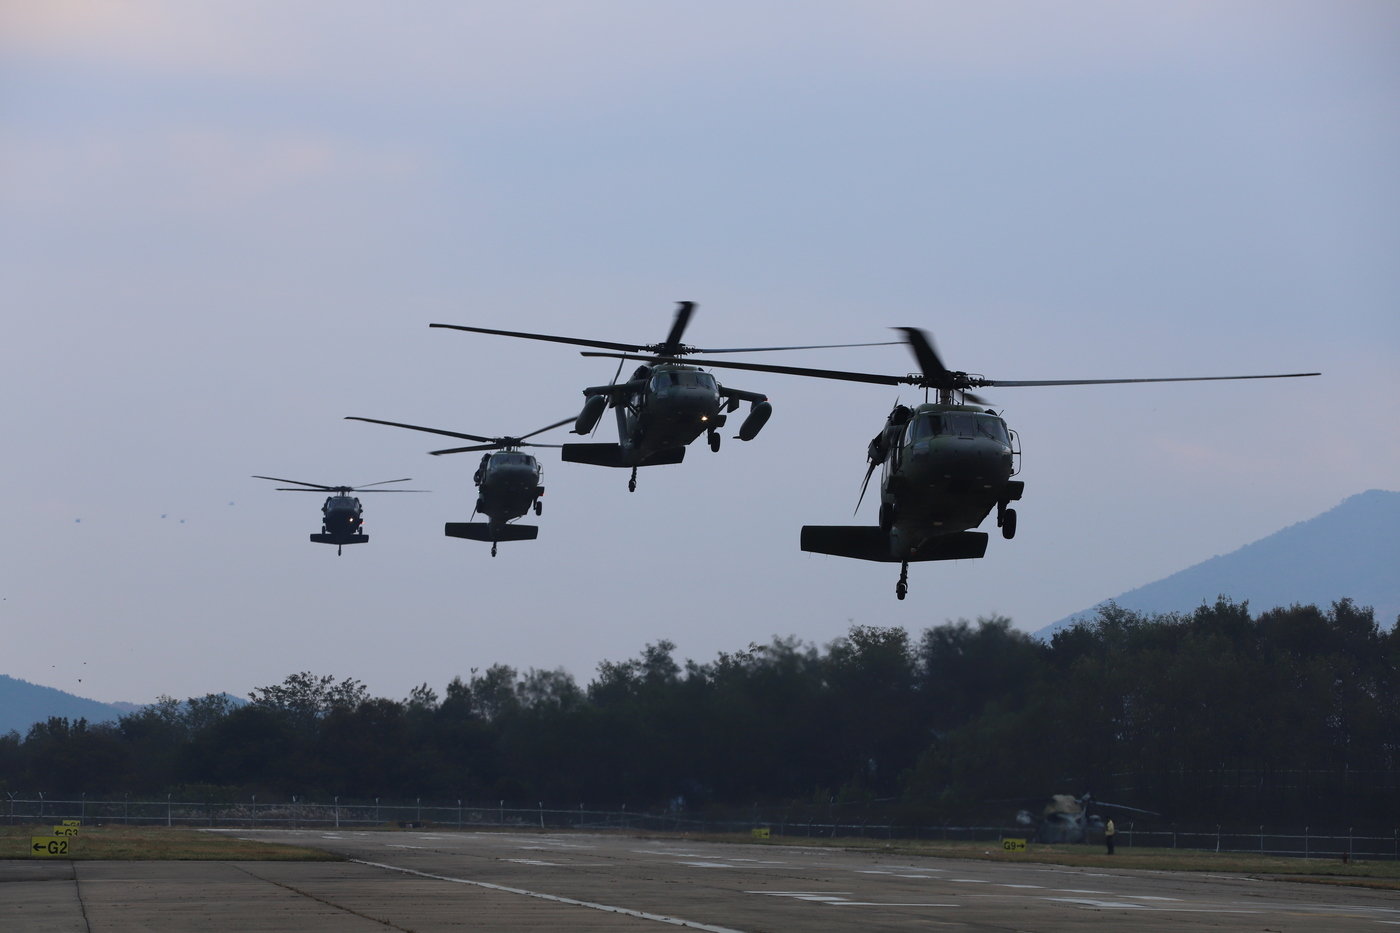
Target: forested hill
(1352, 550)
(22, 704)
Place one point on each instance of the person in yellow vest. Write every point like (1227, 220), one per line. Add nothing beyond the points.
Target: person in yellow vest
(1109, 830)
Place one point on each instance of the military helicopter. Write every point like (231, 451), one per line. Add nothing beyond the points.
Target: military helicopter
(1064, 818)
(665, 404)
(341, 514)
(945, 464)
(507, 483)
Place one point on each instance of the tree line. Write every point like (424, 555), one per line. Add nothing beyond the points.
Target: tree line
(1212, 716)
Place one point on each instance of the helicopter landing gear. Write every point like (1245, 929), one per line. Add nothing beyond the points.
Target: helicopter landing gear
(493, 548)
(539, 507)
(902, 587)
(632, 483)
(1006, 518)
(714, 441)
(338, 549)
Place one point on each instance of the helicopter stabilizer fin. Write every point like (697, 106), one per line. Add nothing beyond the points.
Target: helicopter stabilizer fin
(613, 455)
(339, 539)
(868, 542)
(485, 531)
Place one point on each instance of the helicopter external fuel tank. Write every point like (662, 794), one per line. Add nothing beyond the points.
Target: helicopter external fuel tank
(592, 411)
(759, 413)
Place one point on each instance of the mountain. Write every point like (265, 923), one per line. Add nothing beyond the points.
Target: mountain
(1351, 550)
(22, 704)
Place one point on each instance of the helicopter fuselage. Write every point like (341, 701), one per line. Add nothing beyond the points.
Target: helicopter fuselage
(341, 520)
(669, 406)
(945, 468)
(508, 485)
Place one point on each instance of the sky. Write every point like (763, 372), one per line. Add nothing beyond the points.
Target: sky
(225, 226)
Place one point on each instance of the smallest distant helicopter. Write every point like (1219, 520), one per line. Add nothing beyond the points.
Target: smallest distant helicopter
(342, 520)
(507, 483)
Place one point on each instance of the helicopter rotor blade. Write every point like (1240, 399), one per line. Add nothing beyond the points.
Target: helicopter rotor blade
(415, 427)
(869, 470)
(462, 450)
(576, 341)
(313, 487)
(813, 346)
(1003, 383)
(933, 369)
(365, 486)
(873, 378)
(557, 424)
(672, 344)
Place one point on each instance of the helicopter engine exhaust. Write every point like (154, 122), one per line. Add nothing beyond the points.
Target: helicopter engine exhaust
(592, 411)
(759, 413)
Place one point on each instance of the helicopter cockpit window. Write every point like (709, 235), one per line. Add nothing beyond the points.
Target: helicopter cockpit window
(513, 459)
(685, 378)
(993, 427)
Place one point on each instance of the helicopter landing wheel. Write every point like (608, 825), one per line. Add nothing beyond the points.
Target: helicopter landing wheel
(539, 507)
(714, 441)
(632, 483)
(1008, 524)
(902, 587)
(493, 548)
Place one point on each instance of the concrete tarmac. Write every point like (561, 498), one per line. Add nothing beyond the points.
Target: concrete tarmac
(450, 880)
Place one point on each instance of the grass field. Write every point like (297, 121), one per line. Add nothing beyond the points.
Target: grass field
(123, 843)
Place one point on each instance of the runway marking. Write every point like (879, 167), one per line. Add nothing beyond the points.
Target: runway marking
(1126, 905)
(839, 899)
(531, 861)
(708, 864)
(626, 911)
(398, 845)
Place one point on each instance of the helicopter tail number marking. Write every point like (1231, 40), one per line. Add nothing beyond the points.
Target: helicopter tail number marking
(868, 542)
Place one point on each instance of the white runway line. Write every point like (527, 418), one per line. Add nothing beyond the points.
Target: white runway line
(642, 915)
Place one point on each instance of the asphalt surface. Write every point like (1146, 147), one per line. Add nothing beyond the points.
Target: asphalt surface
(428, 881)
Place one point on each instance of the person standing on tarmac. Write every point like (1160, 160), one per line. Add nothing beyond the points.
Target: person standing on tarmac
(1109, 830)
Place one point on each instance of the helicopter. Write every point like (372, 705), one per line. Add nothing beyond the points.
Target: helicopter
(507, 483)
(944, 464)
(1064, 818)
(665, 404)
(341, 514)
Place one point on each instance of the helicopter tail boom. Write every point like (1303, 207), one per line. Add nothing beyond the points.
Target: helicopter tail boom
(869, 542)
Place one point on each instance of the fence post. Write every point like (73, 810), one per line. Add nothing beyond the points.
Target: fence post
(337, 811)
(459, 813)
(1305, 841)
(167, 809)
(1261, 838)
(501, 812)
(1217, 838)
(540, 805)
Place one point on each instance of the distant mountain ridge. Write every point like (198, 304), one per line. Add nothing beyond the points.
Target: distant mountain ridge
(1352, 550)
(22, 704)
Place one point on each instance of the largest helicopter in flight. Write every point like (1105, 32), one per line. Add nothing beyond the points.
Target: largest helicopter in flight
(665, 404)
(945, 464)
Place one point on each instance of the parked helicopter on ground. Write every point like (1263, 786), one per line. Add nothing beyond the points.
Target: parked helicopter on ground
(1063, 818)
(342, 520)
(946, 464)
(507, 483)
(665, 404)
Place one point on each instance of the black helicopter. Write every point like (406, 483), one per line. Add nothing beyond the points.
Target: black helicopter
(665, 404)
(342, 520)
(946, 464)
(507, 483)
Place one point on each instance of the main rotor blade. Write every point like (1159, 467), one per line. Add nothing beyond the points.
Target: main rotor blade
(933, 369)
(365, 486)
(416, 427)
(576, 341)
(551, 427)
(1003, 383)
(870, 470)
(873, 378)
(315, 487)
(672, 343)
(462, 450)
(813, 346)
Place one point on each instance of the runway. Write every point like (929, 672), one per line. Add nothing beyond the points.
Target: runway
(426, 881)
